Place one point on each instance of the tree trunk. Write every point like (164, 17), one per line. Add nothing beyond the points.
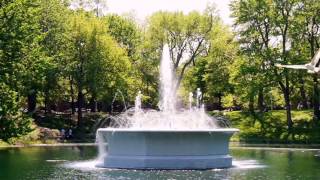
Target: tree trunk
(32, 101)
(46, 101)
(303, 94)
(285, 88)
(251, 104)
(73, 108)
(80, 103)
(220, 101)
(316, 110)
(260, 100)
(79, 81)
(286, 94)
(93, 104)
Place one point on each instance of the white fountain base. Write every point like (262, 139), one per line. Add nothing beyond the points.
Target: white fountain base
(167, 149)
(168, 162)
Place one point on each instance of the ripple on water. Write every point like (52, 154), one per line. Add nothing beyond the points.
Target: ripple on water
(83, 165)
(247, 164)
(96, 165)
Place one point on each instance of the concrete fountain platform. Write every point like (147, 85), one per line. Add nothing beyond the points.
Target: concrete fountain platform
(167, 149)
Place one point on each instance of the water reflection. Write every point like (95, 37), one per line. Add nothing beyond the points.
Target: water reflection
(75, 163)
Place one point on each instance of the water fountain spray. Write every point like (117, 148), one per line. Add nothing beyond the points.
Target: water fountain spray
(167, 81)
(199, 96)
(190, 100)
(137, 104)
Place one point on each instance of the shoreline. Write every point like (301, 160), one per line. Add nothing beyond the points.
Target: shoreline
(49, 145)
(285, 147)
(276, 148)
(233, 145)
(275, 145)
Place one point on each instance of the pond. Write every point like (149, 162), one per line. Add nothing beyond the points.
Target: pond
(75, 162)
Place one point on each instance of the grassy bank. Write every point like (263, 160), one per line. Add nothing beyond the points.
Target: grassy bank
(267, 127)
(46, 129)
(271, 127)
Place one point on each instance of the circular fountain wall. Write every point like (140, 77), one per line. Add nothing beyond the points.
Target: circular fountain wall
(167, 149)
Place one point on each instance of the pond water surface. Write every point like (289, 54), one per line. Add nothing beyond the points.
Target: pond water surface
(76, 162)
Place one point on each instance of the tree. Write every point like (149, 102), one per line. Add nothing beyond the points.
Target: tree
(221, 54)
(108, 67)
(259, 21)
(140, 51)
(185, 34)
(98, 64)
(53, 18)
(79, 57)
(211, 73)
(283, 11)
(126, 32)
(245, 78)
(254, 17)
(306, 32)
(21, 57)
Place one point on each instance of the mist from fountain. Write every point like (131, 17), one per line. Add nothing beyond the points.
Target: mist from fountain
(169, 117)
(167, 83)
(137, 104)
(190, 100)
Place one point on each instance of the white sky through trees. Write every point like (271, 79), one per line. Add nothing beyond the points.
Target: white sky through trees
(143, 8)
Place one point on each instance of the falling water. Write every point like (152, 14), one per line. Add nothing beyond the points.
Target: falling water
(122, 98)
(101, 146)
(199, 93)
(137, 103)
(190, 100)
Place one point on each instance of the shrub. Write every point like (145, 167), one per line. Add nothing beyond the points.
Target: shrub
(13, 122)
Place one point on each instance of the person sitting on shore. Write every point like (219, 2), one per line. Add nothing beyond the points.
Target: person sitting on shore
(69, 134)
(62, 134)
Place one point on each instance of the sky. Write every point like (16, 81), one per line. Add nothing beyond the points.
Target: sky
(144, 8)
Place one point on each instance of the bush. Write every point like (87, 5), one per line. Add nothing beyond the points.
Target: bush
(13, 123)
(271, 127)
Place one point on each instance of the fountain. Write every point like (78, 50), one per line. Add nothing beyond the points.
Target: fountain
(166, 139)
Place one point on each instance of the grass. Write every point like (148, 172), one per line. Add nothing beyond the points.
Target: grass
(3, 144)
(271, 127)
(34, 137)
(46, 129)
(267, 127)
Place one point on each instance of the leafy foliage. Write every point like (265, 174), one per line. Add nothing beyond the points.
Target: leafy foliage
(13, 123)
